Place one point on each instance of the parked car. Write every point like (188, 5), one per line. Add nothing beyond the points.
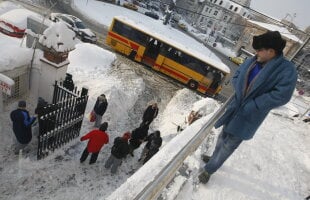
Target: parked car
(75, 24)
(237, 60)
(152, 14)
(130, 6)
(182, 26)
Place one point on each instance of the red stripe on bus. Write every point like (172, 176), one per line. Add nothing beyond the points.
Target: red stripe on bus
(173, 72)
(118, 37)
(132, 45)
(202, 87)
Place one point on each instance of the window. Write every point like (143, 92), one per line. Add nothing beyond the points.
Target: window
(215, 1)
(210, 23)
(231, 7)
(221, 2)
(201, 19)
(236, 9)
(225, 17)
(215, 12)
(206, 9)
(129, 32)
(210, 10)
(244, 14)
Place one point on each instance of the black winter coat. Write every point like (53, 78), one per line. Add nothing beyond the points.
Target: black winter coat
(22, 125)
(153, 142)
(137, 135)
(153, 145)
(100, 107)
(120, 148)
(150, 113)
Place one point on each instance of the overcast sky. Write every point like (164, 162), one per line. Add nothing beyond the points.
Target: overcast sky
(279, 8)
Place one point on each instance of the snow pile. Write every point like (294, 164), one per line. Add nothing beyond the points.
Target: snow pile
(58, 37)
(94, 72)
(6, 6)
(18, 17)
(143, 177)
(10, 50)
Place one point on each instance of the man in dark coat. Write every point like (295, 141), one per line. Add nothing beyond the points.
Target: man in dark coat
(97, 139)
(100, 108)
(150, 114)
(119, 151)
(152, 146)
(22, 126)
(137, 137)
(261, 83)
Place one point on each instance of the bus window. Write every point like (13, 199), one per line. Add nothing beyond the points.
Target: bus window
(127, 31)
(139, 37)
(122, 29)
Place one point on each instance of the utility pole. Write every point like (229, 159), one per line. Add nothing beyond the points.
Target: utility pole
(300, 48)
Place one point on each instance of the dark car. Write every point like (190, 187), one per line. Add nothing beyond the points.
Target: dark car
(151, 14)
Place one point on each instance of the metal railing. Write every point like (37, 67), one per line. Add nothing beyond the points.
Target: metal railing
(154, 187)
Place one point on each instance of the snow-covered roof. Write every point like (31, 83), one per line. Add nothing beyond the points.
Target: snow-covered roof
(175, 38)
(10, 50)
(18, 17)
(283, 31)
(59, 37)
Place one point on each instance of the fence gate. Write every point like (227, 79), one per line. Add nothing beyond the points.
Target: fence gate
(60, 121)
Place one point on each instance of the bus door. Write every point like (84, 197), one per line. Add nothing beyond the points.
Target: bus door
(151, 52)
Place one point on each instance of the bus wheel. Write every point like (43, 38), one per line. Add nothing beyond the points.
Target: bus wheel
(132, 55)
(192, 84)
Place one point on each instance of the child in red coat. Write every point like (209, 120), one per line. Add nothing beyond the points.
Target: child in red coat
(97, 138)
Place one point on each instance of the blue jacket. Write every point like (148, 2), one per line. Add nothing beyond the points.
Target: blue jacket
(22, 125)
(271, 88)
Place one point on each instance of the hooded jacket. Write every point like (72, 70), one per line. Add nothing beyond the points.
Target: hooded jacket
(271, 88)
(22, 125)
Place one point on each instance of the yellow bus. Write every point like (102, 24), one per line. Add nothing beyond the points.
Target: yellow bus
(191, 68)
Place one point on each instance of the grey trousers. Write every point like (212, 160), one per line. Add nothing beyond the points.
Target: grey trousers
(18, 146)
(98, 121)
(114, 162)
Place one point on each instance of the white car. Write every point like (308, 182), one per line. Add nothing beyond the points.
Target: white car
(74, 23)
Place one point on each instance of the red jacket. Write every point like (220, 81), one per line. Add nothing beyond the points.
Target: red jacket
(96, 141)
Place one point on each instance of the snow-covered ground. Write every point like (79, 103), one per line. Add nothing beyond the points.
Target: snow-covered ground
(274, 165)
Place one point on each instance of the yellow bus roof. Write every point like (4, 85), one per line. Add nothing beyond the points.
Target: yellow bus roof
(175, 38)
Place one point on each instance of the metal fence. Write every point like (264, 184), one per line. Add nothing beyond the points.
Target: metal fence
(60, 121)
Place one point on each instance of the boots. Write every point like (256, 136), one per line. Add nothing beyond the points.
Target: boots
(204, 177)
(205, 158)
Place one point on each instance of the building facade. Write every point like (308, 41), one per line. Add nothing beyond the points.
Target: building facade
(223, 19)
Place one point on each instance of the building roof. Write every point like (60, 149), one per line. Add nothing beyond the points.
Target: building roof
(283, 31)
(18, 17)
